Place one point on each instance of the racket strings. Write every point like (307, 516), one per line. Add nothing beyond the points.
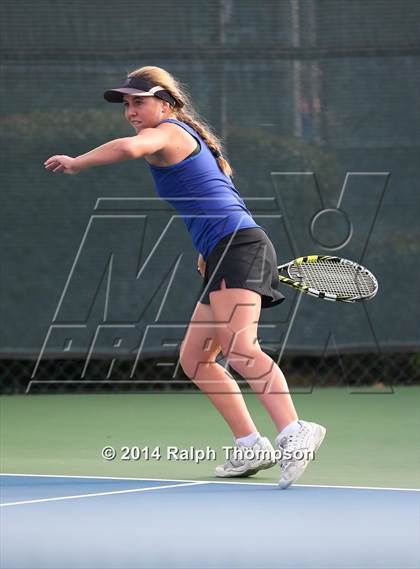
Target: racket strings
(333, 278)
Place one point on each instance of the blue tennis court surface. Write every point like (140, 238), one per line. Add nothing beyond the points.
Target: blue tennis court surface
(54, 522)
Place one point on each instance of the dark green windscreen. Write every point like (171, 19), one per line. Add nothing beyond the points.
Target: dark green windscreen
(318, 106)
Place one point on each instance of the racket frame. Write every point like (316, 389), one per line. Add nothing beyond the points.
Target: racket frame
(290, 281)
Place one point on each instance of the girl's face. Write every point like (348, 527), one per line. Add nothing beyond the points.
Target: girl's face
(145, 112)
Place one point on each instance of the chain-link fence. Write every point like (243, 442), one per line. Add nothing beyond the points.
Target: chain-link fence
(303, 374)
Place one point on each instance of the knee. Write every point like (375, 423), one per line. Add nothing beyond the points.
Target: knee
(238, 354)
(238, 345)
(247, 359)
(194, 363)
(243, 361)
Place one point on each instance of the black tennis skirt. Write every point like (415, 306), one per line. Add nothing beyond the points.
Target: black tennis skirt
(247, 259)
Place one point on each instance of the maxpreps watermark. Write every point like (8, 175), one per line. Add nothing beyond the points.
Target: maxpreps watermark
(198, 455)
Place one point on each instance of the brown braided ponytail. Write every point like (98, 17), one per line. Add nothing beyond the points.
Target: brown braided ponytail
(184, 110)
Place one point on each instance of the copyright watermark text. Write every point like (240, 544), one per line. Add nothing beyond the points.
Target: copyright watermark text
(198, 455)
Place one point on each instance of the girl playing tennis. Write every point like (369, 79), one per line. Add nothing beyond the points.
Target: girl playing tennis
(237, 261)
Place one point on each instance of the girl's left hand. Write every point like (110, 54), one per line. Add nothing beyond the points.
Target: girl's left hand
(61, 163)
(201, 265)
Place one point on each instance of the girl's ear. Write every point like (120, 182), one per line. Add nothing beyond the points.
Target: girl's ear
(165, 107)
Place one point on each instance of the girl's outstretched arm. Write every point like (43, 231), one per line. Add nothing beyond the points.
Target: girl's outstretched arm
(113, 151)
(147, 142)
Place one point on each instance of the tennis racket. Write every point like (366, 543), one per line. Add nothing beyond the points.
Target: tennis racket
(330, 278)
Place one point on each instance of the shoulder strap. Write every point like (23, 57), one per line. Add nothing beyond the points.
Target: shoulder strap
(184, 125)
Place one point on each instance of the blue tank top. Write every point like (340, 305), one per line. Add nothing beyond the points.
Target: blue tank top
(206, 198)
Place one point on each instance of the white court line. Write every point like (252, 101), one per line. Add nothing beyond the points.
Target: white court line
(207, 481)
(131, 490)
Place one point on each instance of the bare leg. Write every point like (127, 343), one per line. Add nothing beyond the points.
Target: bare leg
(237, 312)
(198, 353)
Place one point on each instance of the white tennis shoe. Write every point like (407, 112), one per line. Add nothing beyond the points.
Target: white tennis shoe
(248, 460)
(297, 450)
